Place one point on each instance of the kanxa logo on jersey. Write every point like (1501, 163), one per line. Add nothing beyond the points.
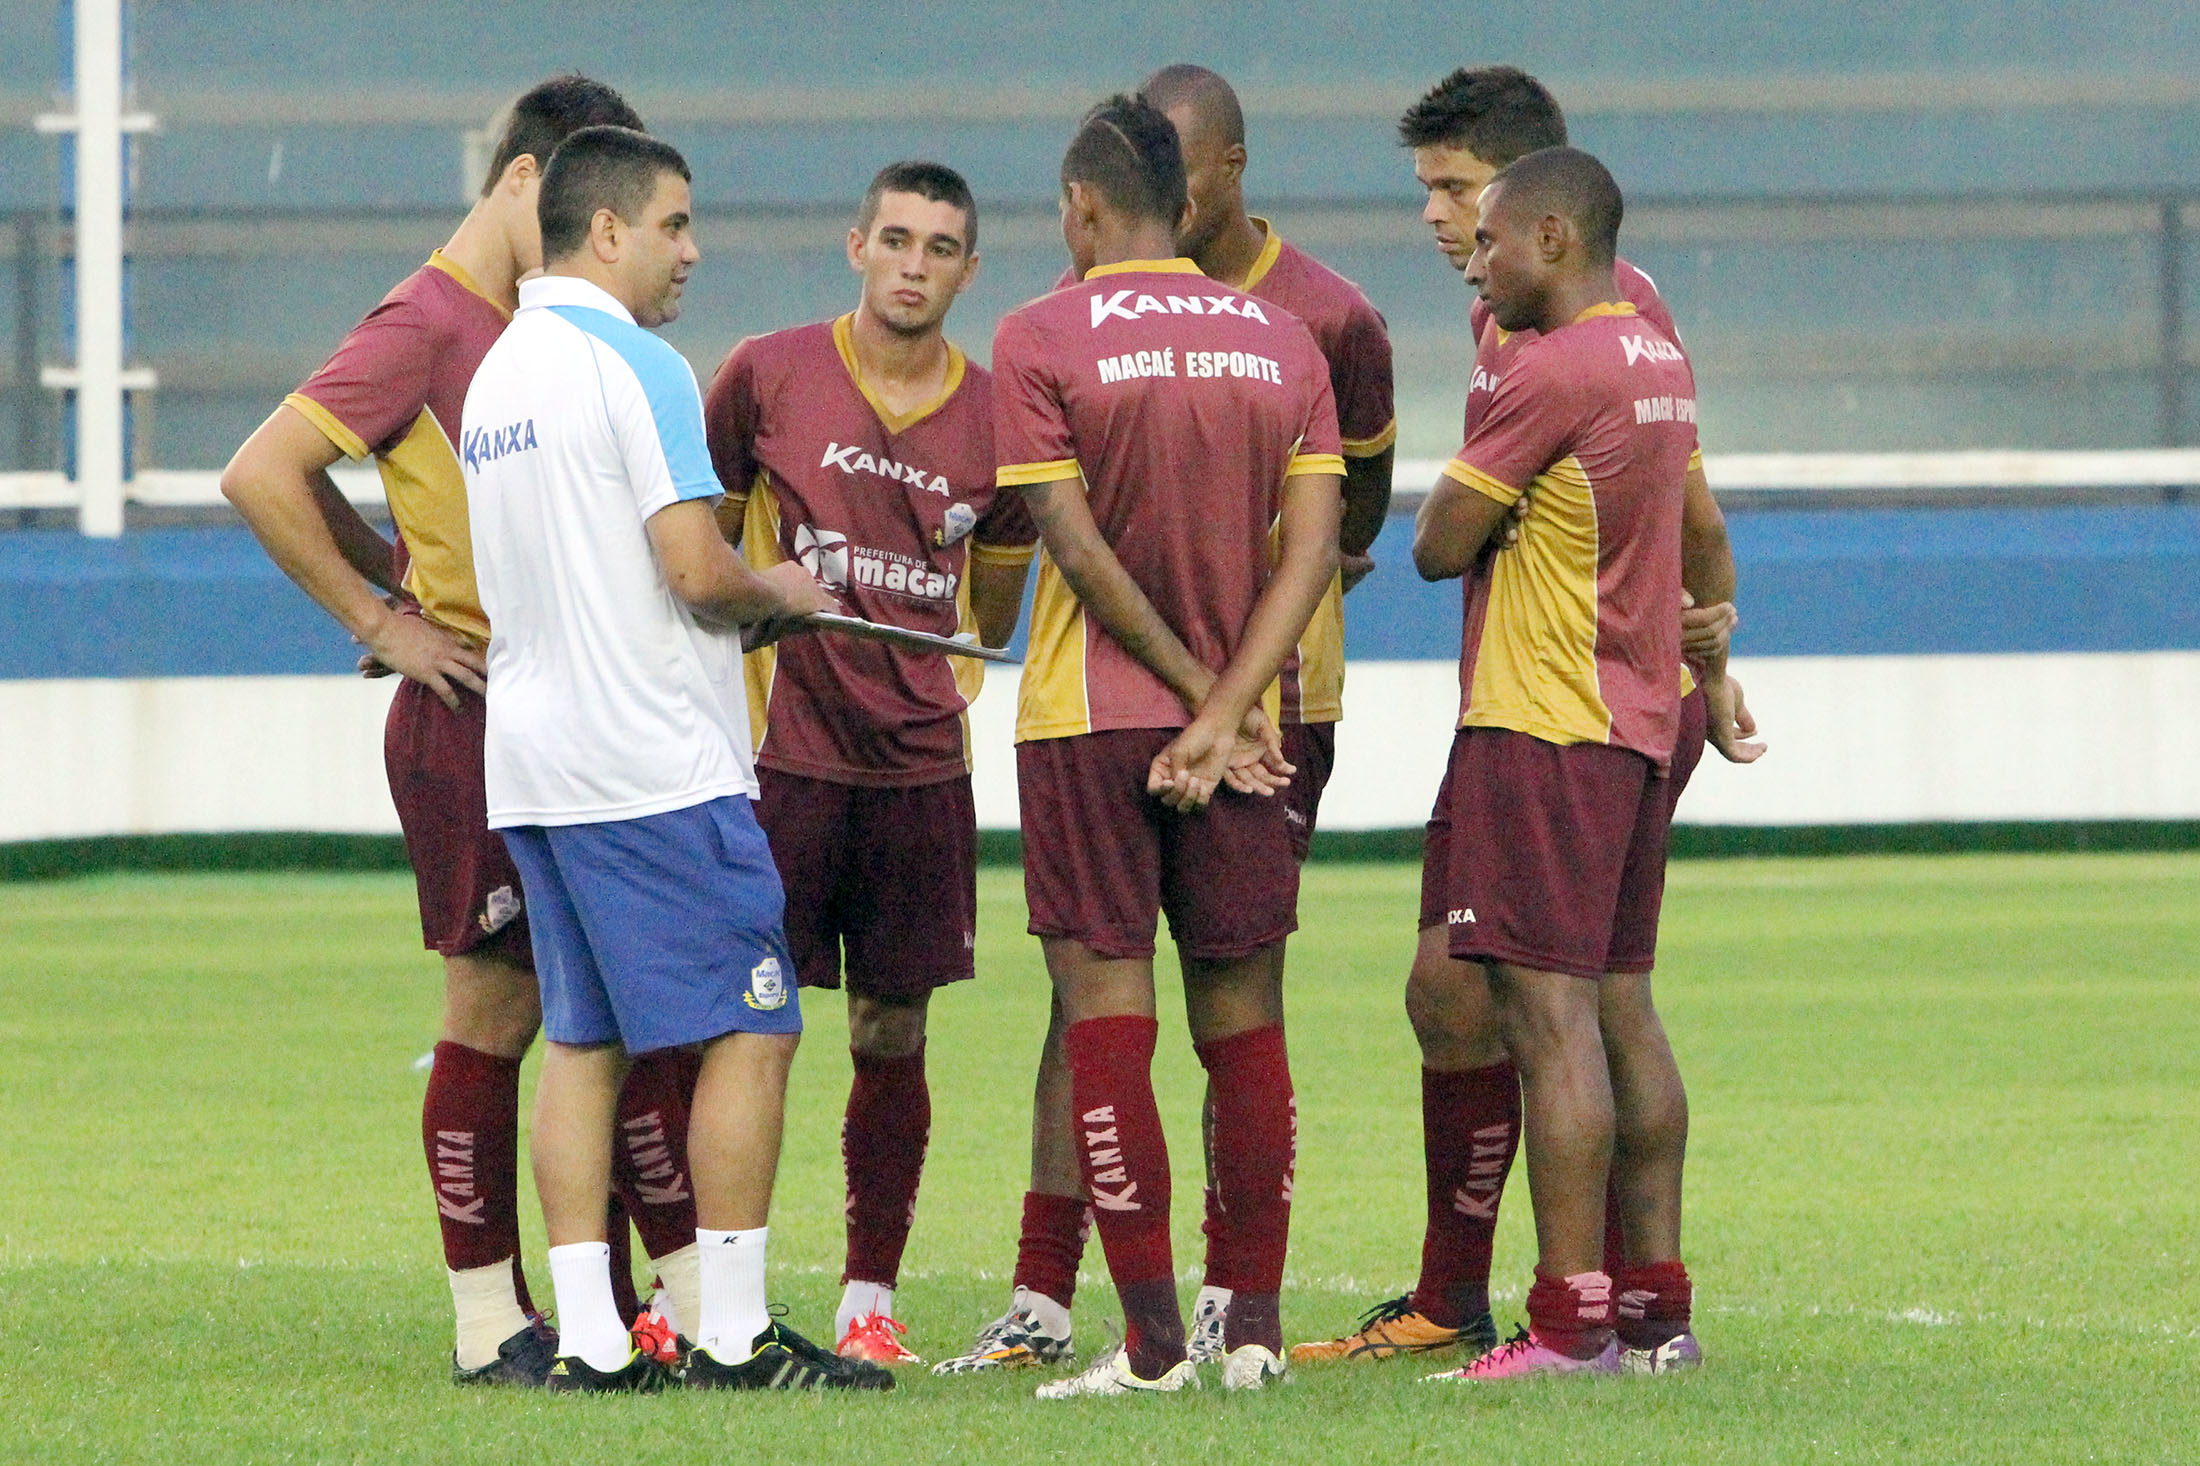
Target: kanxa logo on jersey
(487, 445)
(1129, 305)
(850, 458)
(1484, 380)
(1649, 348)
(828, 555)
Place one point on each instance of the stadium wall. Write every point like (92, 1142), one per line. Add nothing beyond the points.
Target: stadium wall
(1908, 666)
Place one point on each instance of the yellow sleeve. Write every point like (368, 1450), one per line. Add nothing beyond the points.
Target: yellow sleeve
(1475, 479)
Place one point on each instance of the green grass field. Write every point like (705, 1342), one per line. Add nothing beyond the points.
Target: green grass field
(1942, 1203)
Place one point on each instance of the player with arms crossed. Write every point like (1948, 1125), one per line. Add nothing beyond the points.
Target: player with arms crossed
(395, 389)
(617, 759)
(1558, 814)
(862, 448)
(1160, 425)
(1462, 132)
(1245, 253)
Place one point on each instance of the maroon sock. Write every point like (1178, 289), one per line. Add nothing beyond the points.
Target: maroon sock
(1572, 1315)
(469, 1128)
(1256, 1145)
(1615, 1230)
(649, 1162)
(619, 1233)
(882, 1140)
(1470, 1127)
(1655, 1303)
(1126, 1167)
(1215, 1227)
(1051, 1245)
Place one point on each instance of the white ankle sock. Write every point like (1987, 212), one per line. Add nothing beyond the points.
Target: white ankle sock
(488, 1311)
(732, 1311)
(859, 1298)
(681, 1275)
(588, 1321)
(1047, 1313)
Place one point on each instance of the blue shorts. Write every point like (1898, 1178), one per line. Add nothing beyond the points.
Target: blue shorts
(660, 931)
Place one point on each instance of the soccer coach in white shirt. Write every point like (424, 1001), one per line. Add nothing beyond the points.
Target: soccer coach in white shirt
(618, 757)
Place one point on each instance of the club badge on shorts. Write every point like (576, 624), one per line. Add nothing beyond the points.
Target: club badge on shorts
(767, 986)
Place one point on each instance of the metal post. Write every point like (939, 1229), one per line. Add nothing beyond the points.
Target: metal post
(99, 266)
(2173, 324)
(30, 402)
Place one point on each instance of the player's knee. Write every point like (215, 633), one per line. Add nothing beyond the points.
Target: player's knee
(490, 1005)
(882, 1029)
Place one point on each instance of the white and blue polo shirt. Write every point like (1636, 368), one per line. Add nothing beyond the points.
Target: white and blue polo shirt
(607, 700)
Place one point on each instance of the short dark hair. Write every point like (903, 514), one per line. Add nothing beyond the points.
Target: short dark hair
(549, 112)
(613, 168)
(1574, 185)
(1498, 113)
(935, 181)
(1129, 152)
(1211, 99)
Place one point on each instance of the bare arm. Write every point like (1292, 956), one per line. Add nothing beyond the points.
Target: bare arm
(279, 483)
(1366, 501)
(1454, 523)
(1707, 574)
(997, 598)
(1186, 772)
(1106, 590)
(707, 577)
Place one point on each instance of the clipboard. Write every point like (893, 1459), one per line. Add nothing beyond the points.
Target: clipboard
(922, 641)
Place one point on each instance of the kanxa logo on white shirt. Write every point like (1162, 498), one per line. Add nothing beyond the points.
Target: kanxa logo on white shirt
(487, 445)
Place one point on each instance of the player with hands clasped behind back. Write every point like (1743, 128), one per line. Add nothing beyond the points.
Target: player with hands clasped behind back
(1159, 426)
(862, 449)
(1247, 253)
(617, 760)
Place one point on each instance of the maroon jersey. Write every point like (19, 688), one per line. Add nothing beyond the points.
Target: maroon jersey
(1577, 639)
(1185, 405)
(396, 388)
(888, 509)
(1495, 348)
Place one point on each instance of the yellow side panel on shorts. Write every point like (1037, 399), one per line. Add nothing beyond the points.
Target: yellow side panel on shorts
(1536, 668)
(760, 547)
(1050, 701)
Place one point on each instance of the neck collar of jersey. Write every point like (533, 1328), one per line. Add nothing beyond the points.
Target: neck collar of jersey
(844, 340)
(1606, 308)
(438, 260)
(1178, 266)
(549, 290)
(1271, 250)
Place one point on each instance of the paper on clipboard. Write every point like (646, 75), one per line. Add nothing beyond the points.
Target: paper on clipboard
(923, 641)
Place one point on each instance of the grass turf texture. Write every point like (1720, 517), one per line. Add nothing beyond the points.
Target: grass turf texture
(1940, 1202)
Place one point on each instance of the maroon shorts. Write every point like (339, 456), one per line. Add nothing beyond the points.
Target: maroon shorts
(1102, 856)
(470, 899)
(883, 880)
(1548, 856)
(1312, 749)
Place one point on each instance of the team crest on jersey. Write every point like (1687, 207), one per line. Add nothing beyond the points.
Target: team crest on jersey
(824, 553)
(767, 986)
(960, 520)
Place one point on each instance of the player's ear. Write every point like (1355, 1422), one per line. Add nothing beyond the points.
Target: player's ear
(1552, 235)
(1186, 217)
(969, 272)
(518, 173)
(1233, 161)
(855, 249)
(604, 235)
